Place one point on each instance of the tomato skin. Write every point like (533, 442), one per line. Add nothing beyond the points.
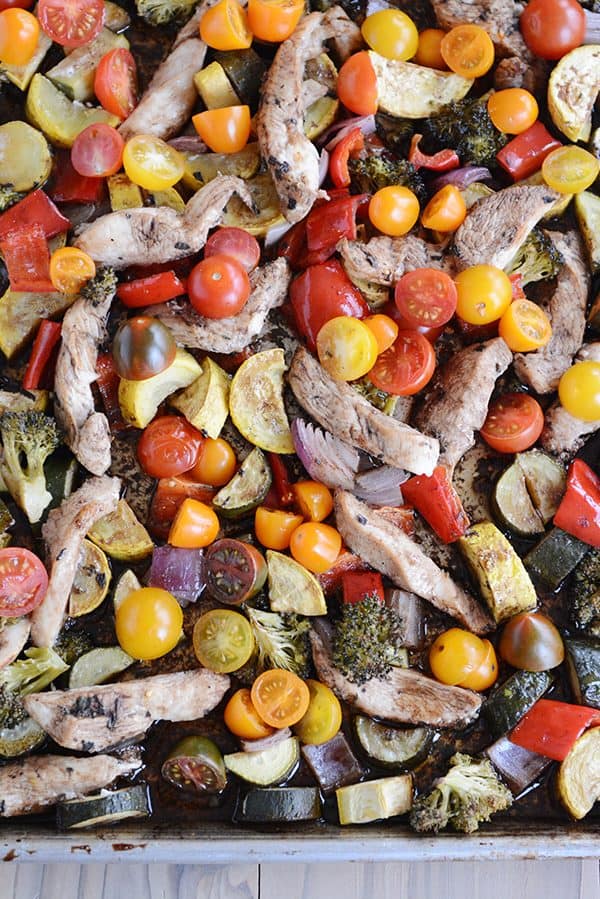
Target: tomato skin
(532, 642)
(323, 717)
(431, 333)
(455, 654)
(15, 4)
(195, 526)
(406, 367)
(468, 50)
(316, 546)
(169, 446)
(579, 390)
(70, 269)
(346, 347)
(446, 211)
(148, 623)
(429, 51)
(385, 330)
(151, 163)
(552, 28)
(513, 424)
(394, 210)
(223, 640)
(280, 697)
(142, 347)
(274, 527)
(115, 82)
(23, 582)
(391, 33)
(570, 169)
(216, 463)
(234, 242)
(426, 297)
(224, 26)
(274, 20)
(357, 84)
(314, 500)
(224, 130)
(19, 32)
(525, 326)
(243, 720)
(486, 675)
(218, 287)
(513, 110)
(484, 294)
(69, 23)
(97, 151)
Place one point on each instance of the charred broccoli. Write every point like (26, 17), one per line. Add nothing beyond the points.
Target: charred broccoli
(465, 126)
(9, 196)
(103, 283)
(71, 644)
(468, 794)
(281, 640)
(585, 595)
(537, 259)
(158, 12)
(379, 170)
(29, 675)
(28, 438)
(366, 640)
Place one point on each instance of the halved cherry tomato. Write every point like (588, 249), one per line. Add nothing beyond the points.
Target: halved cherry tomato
(151, 290)
(385, 330)
(19, 31)
(346, 348)
(70, 269)
(280, 697)
(394, 210)
(446, 211)
(426, 296)
(224, 130)
(468, 50)
(316, 546)
(314, 500)
(391, 33)
(223, 640)
(486, 675)
(97, 151)
(274, 20)
(243, 720)
(196, 525)
(430, 332)
(23, 582)
(552, 28)
(71, 23)
(569, 170)
(168, 497)
(429, 52)
(274, 528)
(234, 242)
(323, 717)
(115, 82)
(579, 390)
(406, 367)
(224, 26)
(532, 642)
(513, 110)
(15, 4)
(455, 654)
(525, 326)
(152, 163)
(357, 84)
(169, 446)
(216, 462)
(235, 571)
(218, 287)
(142, 347)
(148, 623)
(513, 424)
(484, 294)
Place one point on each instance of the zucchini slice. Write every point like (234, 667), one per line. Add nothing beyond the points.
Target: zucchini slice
(268, 766)
(587, 210)
(245, 70)
(21, 75)
(203, 167)
(6, 522)
(264, 195)
(247, 488)
(374, 800)
(23, 737)
(59, 118)
(91, 582)
(205, 403)
(319, 116)
(168, 197)
(60, 471)
(25, 157)
(279, 804)
(579, 775)
(512, 503)
(583, 666)
(121, 535)
(529, 492)
(123, 193)
(256, 402)
(21, 314)
(139, 400)
(292, 588)
(215, 88)
(75, 73)
(115, 17)
(127, 583)
(555, 557)
(391, 746)
(511, 700)
(410, 91)
(97, 666)
(104, 808)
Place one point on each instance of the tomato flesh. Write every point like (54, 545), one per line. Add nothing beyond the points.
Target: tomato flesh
(235, 571)
(513, 424)
(406, 367)
(115, 82)
(169, 446)
(23, 582)
(142, 348)
(426, 297)
(71, 23)
(223, 640)
(280, 697)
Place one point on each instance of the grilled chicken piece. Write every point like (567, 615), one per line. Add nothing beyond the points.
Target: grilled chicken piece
(383, 260)
(405, 697)
(13, 637)
(564, 434)
(457, 404)
(83, 330)
(389, 550)
(291, 157)
(497, 226)
(94, 719)
(41, 780)
(342, 410)
(542, 369)
(63, 533)
(148, 235)
(228, 335)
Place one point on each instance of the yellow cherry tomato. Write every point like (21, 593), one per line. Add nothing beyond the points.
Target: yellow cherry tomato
(148, 623)
(569, 170)
(394, 210)
(455, 654)
(216, 463)
(70, 268)
(384, 328)
(346, 348)
(468, 50)
(579, 390)
(195, 525)
(274, 20)
(446, 211)
(513, 110)
(19, 32)
(151, 163)
(224, 130)
(225, 26)
(313, 499)
(243, 720)
(223, 640)
(429, 52)
(525, 326)
(484, 294)
(485, 676)
(391, 33)
(316, 546)
(274, 527)
(323, 717)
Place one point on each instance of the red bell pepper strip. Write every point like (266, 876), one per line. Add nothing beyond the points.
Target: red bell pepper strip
(107, 383)
(27, 259)
(579, 511)
(353, 142)
(525, 153)
(551, 728)
(329, 222)
(281, 481)
(442, 161)
(168, 497)
(35, 209)
(151, 290)
(45, 341)
(68, 186)
(321, 293)
(437, 501)
(331, 579)
(358, 585)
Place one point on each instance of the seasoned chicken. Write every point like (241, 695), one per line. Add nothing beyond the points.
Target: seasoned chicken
(457, 404)
(148, 235)
(63, 534)
(405, 697)
(564, 434)
(93, 719)
(349, 416)
(542, 369)
(497, 226)
(83, 330)
(389, 550)
(42, 780)
(229, 335)
(13, 637)
(291, 157)
(383, 260)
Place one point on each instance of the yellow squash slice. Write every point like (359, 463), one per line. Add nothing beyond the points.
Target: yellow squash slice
(572, 91)
(414, 92)
(256, 402)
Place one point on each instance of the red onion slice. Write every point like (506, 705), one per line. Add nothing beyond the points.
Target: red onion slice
(365, 123)
(323, 166)
(188, 143)
(462, 177)
(178, 570)
(266, 742)
(275, 233)
(381, 486)
(325, 458)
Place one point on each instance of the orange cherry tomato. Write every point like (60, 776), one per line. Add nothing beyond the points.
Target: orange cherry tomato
(456, 654)
(274, 20)
(70, 268)
(394, 210)
(19, 31)
(468, 50)
(224, 130)
(384, 329)
(274, 528)
(429, 52)
(525, 326)
(357, 84)
(195, 525)
(513, 424)
(243, 720)
(216, 462)
(225, 26)
(314, 500)
(280, 697)
(513, 110)
(316, 546)
(446, 211)
(483, 677)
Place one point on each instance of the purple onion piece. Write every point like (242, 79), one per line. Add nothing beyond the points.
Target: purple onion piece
(333, 763)
(266, 742)
(462, 177)
(410, 609)
(323, 166)
(519, 767)
(337, 132)
(188, 143)
(325, 458)
(381, 486)
(275, 233)
(178, 570)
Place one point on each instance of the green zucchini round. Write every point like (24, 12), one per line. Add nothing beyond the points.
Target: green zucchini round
(104, 808)
(279, 804)
(392, 747)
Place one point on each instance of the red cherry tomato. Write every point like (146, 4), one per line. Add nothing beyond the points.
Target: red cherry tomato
(169, 446)
(513, 424)
(431, 333)
(357, 84)
(426, 296)
(406, 367)
(97, 151)
(115, 82)
(218, 287)
(552, 28)
(71, 23)
(15, 4)
(23, 582)
(234, 242)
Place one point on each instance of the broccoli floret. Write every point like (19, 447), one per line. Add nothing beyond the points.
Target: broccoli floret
(97, 289)
(29, 675)
(9, 196)
(28, 438)
(585, 595)
(71, 644)
(395, 133)
(281, 640)
(465, 126)
(379, 170)
(158, 12)
(537, 259)
(467, 795)
(366, 640)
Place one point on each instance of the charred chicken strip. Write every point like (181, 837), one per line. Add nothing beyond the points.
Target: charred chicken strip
(383, 260)
(564, 434)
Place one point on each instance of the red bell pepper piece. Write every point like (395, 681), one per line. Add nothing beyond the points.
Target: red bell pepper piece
(551, 728)
(442, 161)
(524, 154)
(68, 186)
(151, 290)
(27, 259)
(353, 142)
(321, 293)
(358, 585)
(437, 501)
(331, 579)
(35, 209)
(292, 245)
(45, 341)
(281, 481)
(329, 222)
(579, 511)
(107, 383)
(168, 497)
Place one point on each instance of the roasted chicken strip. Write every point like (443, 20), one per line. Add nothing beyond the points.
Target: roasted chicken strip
(349, 416)
(93, 719)
(564, 434)
(34, 783)
(383, 260)
(13, 637)
(63, 534)
(389, 550)
(148, 235)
